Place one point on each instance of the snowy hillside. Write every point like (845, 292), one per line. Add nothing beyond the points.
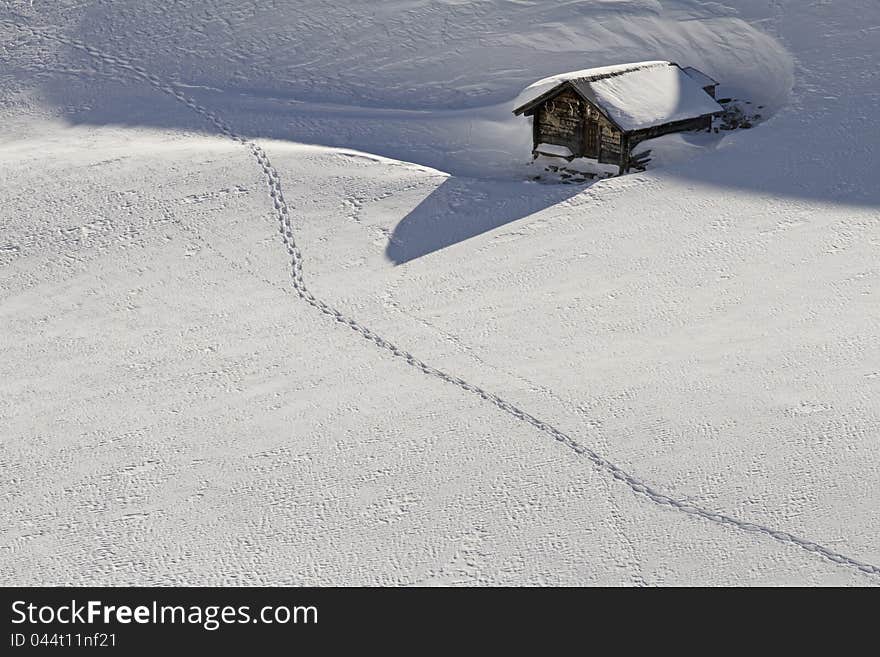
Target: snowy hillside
(456, 375)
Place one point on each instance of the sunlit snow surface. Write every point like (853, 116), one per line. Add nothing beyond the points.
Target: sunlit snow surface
(172, 412)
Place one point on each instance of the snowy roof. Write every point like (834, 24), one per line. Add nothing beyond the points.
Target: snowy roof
(699, 77)
(634, 96)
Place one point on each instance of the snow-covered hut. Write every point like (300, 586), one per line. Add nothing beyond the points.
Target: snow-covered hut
(602, 113)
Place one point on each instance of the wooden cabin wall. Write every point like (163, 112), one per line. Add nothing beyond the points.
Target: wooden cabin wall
(560, 121)
(610, 142)
(563, 120)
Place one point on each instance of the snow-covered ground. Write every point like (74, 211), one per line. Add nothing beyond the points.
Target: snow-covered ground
(176, 407)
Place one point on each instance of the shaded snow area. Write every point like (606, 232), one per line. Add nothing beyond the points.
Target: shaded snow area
(281, 304)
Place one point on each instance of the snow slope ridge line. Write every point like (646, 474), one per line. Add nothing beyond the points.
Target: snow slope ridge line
(282, 213)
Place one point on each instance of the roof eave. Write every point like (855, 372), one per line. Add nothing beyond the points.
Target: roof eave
(658, 125)
(555, 91)
(547, 95)
(715, 82)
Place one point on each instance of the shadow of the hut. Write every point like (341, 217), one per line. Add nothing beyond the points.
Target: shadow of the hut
(462, 208)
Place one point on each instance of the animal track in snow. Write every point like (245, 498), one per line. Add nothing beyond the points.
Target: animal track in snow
(211, 196)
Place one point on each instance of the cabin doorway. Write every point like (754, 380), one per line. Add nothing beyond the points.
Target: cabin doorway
(591, 139)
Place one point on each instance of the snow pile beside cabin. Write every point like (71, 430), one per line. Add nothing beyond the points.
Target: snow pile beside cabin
(675, 148)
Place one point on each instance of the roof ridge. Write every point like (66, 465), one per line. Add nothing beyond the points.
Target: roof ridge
(612, 74)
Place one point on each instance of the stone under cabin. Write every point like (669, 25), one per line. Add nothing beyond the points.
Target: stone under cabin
(603, 113)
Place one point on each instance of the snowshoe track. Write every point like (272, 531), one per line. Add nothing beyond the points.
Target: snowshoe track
(282, 213)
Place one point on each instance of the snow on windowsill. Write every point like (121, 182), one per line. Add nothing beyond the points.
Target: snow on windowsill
(554, 150)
